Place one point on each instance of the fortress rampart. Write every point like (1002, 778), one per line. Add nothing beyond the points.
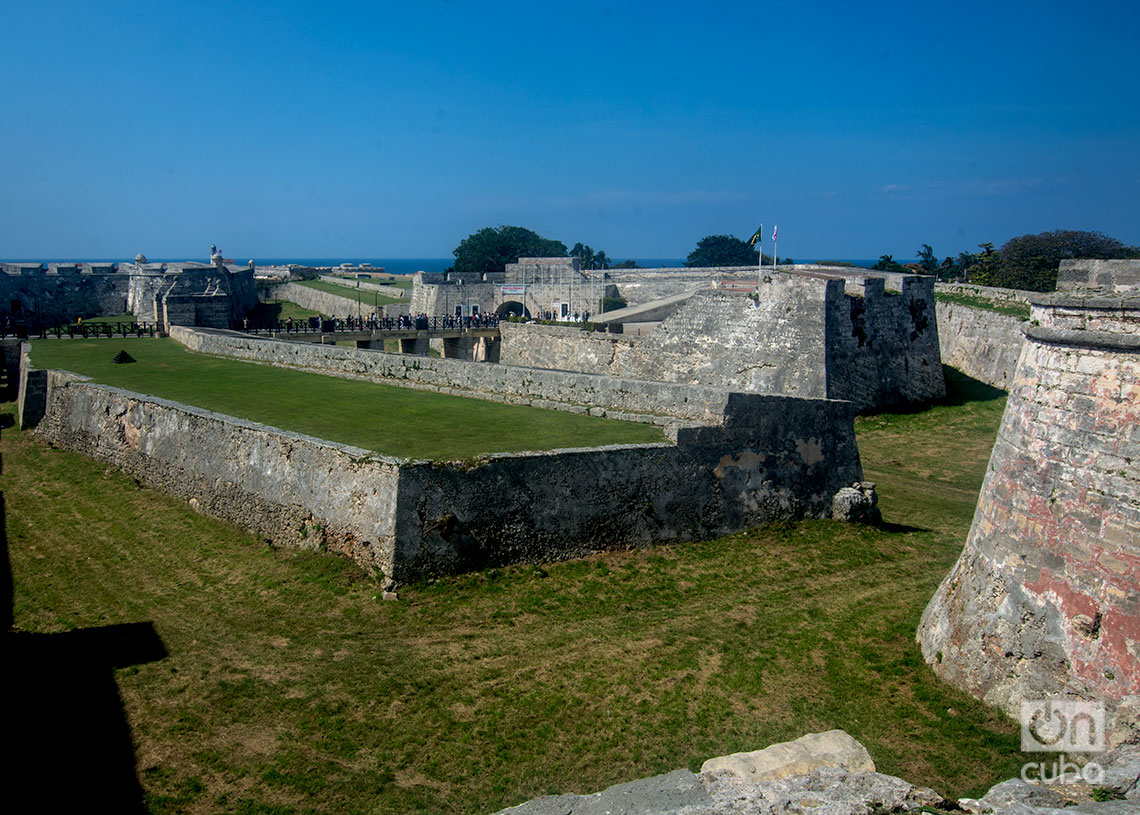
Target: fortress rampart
(809, 335)
(759, 458)
(179, 293)
(335, 305)
(663, 403)
(981, 343)
(1045, 599)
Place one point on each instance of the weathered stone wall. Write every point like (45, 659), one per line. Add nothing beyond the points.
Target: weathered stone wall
(637, 286)
(440, 299)
(330, 305)
(816, 336)
(770, 457)
(561, 347)
(232, 288)
(31, 395)
(980, 343)
(1045, 599)
(774, 346)
(882, 348)
(364, 285)
(55, 296)
(294, 489)
(1110, 275)
(777, 459)
(63, 292)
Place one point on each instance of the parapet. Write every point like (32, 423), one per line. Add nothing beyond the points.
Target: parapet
(1107, 275)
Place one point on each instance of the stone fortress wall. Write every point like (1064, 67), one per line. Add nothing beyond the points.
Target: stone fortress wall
(837, 336)
(980, 343)
(182, 293)
(551, 281)
(56, 292)
(1045, 599)
(334, 305)
(663, 403)
(730, 461)
(364, 285)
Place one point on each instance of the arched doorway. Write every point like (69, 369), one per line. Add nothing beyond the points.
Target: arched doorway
(512, 308)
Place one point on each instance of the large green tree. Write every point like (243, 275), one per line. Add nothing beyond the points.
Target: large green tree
(723, 250)
(1031, 261)
(493, 247)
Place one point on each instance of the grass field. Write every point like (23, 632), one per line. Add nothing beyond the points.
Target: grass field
(396, 283)
(287, 686)
(265, 313)
(388, 419)
(1014, 309)
(369, 298)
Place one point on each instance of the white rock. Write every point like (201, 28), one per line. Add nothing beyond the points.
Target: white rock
(835, 748)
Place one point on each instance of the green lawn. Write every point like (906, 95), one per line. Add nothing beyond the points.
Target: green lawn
(1012, 308)
(288, 686)
(397, 283)
(272, 311)
(370, 298)
(385, 418)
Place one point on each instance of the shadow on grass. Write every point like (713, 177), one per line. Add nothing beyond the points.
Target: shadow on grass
(68, 741)
(899, 529)
(960, 390)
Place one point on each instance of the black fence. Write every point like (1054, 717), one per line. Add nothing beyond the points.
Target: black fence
(16, 328)
(326, 325)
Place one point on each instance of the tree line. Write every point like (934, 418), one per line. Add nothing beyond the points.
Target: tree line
(493, 247)
(1028, 262)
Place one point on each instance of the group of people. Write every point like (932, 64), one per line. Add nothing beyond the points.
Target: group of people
(406, 322)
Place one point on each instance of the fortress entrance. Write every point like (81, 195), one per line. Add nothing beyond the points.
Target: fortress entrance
(512, 308)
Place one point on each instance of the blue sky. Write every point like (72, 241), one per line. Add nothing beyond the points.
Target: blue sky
(338, 129)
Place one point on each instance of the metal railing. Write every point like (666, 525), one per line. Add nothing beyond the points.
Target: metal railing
(324, 325)
(16, 328)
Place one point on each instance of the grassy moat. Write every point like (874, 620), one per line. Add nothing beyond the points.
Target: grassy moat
(388, 419)
(289, 686)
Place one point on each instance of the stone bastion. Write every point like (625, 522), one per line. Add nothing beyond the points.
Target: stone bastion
(1045, 599)
(182, 293)
(727, 461)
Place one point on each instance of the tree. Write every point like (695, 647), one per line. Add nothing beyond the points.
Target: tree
(927, 260)
(1031, 261)
(723, 250)
(590, 259)
(493, 247)
(626, 264)
(981, 268)
(887, 263)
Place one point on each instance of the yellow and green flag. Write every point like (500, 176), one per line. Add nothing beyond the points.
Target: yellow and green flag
(756, 236)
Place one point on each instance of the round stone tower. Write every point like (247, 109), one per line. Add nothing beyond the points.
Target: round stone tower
(1045, 599)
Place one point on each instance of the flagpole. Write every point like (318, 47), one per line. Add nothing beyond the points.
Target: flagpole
(760, 259)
